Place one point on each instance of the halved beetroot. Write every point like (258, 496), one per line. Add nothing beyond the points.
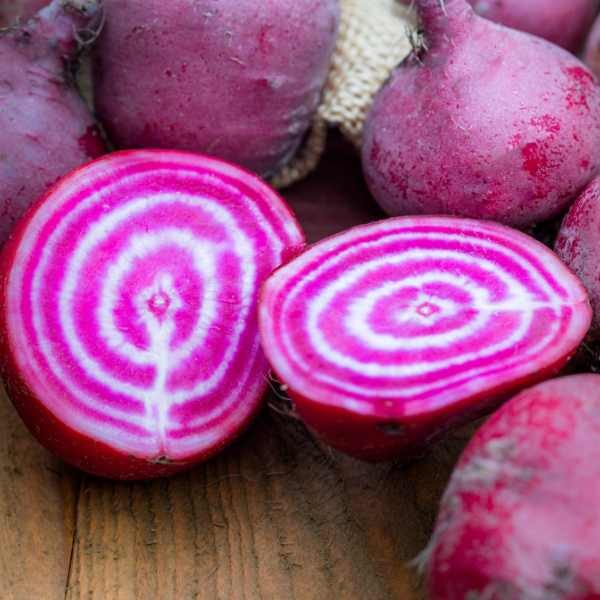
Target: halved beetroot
(390, 333)
(128, 310)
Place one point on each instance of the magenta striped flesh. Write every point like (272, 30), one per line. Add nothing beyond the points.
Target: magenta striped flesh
(132, 300)
(410, 315)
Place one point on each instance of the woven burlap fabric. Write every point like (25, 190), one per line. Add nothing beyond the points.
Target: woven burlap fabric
(374, 38)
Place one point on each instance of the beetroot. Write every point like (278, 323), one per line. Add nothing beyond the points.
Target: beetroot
(519, 520)
(578, 244)
(46, 127)
(128, 310)
(563, 22)
(487, 122)
(19, 10)
(592, 49)
(391, 332)
(237, 79)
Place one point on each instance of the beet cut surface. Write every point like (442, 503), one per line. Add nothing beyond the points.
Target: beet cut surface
(128, 310)
(390, 333)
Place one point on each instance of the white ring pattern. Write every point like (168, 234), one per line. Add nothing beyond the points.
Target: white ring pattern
(156, 305)
(351, 279)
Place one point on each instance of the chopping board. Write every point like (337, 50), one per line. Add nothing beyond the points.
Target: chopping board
(275, 516)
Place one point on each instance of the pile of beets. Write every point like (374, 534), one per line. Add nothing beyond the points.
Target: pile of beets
(147, 295)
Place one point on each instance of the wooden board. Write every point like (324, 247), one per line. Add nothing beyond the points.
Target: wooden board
(276, 516)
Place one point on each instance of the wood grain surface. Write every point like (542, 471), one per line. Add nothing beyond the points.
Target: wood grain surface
(276, 516)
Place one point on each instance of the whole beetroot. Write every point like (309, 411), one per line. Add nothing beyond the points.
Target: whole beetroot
(578, 244)
(591, 52)
(487, 122)
(519, 520)
(563, 22)
(11, 10)
(46, 127)
(237, 79)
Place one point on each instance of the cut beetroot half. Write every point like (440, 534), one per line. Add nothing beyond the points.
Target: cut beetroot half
(128, 310)
(388, 334)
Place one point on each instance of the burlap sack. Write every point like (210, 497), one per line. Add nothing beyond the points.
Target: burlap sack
(374, 38)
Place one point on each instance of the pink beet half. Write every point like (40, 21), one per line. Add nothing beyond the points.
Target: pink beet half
(486, 122)
(236, 79)
(562, 22)
(519, 520)
(128, 310)
(47, 130)
(390, 333)
(578, 245)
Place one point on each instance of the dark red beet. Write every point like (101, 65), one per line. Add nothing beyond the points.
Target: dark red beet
(592, 48)
(47, 129)
(562, 22)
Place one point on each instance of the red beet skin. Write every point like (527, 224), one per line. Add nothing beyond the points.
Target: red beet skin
(128, 310)
(487, 122)
(578, 245)
(591, 53)
(236, 79)
(390, 333)
(562, 22)
(47, 130)
(519, 520)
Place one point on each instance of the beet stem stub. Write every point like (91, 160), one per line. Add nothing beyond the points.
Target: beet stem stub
(441, 16)
(416, 323)
(129, 310)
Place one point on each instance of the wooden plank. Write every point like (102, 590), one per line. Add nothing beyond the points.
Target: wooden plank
(37, 514)
(275, 516)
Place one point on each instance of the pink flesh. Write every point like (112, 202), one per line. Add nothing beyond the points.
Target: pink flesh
(406, 316)
(488, 123)
(132, 300)
(578, 244)
(519, 520)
